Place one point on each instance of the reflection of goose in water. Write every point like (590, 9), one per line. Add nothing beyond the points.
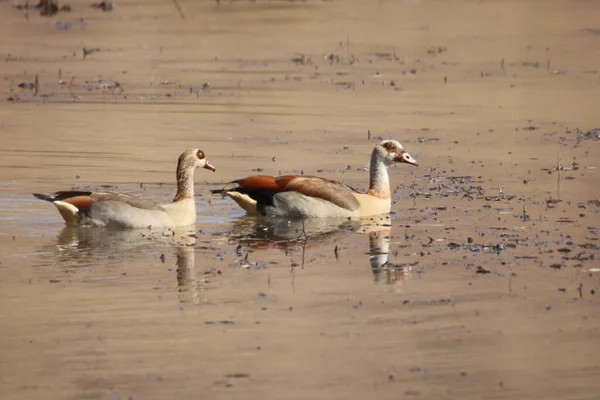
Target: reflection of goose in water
(289, 235)
(187, 282)
(82, 242)
(379, 248)
(78, 247)
(257, 233)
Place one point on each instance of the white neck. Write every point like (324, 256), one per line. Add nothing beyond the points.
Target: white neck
(379, 185)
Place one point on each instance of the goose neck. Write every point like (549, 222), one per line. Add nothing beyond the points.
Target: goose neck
(185, 184)
(379, 179)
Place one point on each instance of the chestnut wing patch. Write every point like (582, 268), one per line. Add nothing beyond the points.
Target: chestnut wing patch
(80, 199)
(332, 191)
(61, 196)
(260, 188)
(264, 183)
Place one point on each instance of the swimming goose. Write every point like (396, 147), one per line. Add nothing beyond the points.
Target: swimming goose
(120, 210)
(313, 197)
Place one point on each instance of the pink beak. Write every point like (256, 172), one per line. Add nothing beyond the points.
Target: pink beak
(209, 166)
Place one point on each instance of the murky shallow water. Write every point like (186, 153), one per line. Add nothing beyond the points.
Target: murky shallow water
(479, 286)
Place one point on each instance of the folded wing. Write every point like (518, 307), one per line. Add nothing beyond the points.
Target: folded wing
(332, 191)
(84, 200)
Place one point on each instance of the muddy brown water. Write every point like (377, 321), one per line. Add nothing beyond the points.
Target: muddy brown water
(480, 285)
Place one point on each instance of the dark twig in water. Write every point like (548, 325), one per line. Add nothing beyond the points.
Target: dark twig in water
(558, 170)
(304, 251)
(71, 85)
(87, 52)
(305, 242)
(179, 10)
(293, 282)
(303, 231)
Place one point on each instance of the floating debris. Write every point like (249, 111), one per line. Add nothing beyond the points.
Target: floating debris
(87, 52)
(482, 271)
(422, 139)
(106, 6)
(436, 50)
(592, 134)
(301, 59)
(25, 85)
(47, 8)
(237, 375)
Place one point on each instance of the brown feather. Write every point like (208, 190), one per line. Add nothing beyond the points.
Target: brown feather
(284, 180)
(83, 203)
(332, 191)
(260, 182)
(84, 200)
(311, 186)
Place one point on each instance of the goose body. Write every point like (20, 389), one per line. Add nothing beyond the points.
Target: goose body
(294, 196)
(120, 210)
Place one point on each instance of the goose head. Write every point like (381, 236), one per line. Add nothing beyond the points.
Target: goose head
(391, 152)
(192, 159)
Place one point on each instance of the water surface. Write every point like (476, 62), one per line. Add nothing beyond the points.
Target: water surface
(480, 285)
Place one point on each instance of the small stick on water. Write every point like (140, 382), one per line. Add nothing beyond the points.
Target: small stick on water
(303, 252)
(278, 165)
(558, 168)
(303, 244)
(179, 10)
(71, 85)
(304, 230)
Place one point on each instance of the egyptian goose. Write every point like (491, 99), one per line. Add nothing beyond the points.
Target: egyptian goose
(120, 210)
(313, 197)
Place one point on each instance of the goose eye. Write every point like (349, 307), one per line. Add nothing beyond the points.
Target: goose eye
(200, 154)
(390, 147)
